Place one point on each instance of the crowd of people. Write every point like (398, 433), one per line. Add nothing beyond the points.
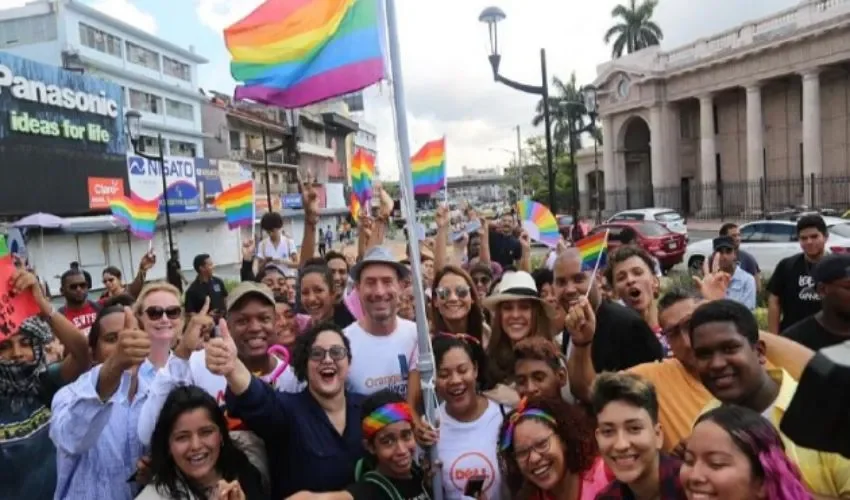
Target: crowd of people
(303, 381)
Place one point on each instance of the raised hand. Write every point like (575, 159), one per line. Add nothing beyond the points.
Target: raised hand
(713, 285)
(134, 344)
(148, 261)
(441, 216)
(581, 322)
(525, 240)
(199, 328)
(221, 352)
(309, 198)
(248, 248)
(229, 490)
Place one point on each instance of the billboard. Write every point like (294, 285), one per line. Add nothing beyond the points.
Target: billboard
(102, 190)
(145, 178)
(47, 106)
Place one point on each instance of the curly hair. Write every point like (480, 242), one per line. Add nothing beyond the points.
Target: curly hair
(538, 349)
(444, 343)
(304, 343)
(573, 426)
(475, 318)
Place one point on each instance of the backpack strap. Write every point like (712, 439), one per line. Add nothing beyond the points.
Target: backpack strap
(383, 483)
(503, 411)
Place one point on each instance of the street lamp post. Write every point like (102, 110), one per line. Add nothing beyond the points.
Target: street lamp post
(134, 131)
(591, 105)
(492, 16)
(292, 116)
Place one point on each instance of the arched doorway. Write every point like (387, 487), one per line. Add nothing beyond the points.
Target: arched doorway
(636, 151)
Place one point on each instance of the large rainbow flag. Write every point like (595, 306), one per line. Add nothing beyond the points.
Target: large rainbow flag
(291, 53)
(362, 174)
(429, 167)
(137, 214)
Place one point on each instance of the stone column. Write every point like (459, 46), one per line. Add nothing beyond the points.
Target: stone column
(609, 162)
(812, 142)
(656, 143)
(755, 148)
(708, 150)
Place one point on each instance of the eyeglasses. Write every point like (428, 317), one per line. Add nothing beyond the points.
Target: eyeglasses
(540, 447)
(482, 280)
(460, 292)
(683, 327)
(156, 312)
(337, 353)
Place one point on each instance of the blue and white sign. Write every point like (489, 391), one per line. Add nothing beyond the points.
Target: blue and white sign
(292, 201)
(145, 179)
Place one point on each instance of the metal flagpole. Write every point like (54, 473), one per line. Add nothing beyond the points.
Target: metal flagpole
(426, 355)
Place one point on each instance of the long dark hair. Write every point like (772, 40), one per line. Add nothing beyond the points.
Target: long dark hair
(475, 318)
(232, 462)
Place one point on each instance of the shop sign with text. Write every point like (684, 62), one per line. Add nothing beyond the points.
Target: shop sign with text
(102, 190)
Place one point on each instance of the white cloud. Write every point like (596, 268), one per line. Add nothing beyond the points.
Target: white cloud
(219, 14)
(11, 4)
(127, 12)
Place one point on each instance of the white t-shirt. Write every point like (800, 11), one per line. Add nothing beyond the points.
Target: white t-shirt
(382, 361)
(469, 449)
(267, 250)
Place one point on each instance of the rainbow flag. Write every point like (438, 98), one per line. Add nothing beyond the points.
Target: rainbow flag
(291, 53)
(355, 207)
(137, 214)
(429, 167)
(593, 251)
(362, 173)
(237, 203)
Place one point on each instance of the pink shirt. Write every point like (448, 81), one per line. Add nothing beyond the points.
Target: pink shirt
(593, 482)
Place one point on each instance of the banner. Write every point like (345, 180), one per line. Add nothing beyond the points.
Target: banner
(145, 179)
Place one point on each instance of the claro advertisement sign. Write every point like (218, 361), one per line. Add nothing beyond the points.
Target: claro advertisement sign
(58, 129)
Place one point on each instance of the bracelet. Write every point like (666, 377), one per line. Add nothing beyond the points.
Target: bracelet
(583, 344)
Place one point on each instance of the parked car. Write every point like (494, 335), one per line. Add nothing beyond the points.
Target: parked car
(770, 241)
(668, 218)
(666, 246)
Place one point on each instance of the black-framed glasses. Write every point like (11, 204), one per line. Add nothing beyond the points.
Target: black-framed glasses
(460, 291)
(337, 353)
(156, 312)
(681, 328)
(540, 447)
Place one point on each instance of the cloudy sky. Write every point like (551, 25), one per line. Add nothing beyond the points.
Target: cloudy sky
(447, 77)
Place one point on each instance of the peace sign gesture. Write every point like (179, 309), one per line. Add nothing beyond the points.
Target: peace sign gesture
(198, 329)
(714, 282)
(309, 197)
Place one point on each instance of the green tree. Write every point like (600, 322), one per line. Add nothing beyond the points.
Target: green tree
(566, 108)
(535, 175)
(635, 29)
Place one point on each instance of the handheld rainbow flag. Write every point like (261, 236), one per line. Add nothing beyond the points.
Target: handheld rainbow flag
(237, 203)
(291, 53)
(362, 173)
(429, 167)
(137, 214)
(354, 205)
(539, 222)
(593, 251)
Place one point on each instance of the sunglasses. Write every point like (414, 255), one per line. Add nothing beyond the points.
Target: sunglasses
(337, 353)
(481, 280)
(460, 292)
(156, 312)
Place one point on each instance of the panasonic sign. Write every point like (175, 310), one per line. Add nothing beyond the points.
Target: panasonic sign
(53, 95)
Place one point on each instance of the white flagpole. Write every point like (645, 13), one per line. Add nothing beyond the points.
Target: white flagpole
(426, 355)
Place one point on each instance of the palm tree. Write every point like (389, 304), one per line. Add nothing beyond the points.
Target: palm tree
(636, 29)
(566, 108)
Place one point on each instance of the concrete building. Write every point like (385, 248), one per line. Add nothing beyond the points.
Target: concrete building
(477, 185)
(752, 118)
(158, 79)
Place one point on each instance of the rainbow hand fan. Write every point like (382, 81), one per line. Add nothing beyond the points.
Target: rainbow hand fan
(539, 222)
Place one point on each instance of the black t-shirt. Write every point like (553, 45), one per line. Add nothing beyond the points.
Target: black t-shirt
(369, 488)
(810, 333)
(622, 339)
(793, 285)
(199, 290)
(504, 249)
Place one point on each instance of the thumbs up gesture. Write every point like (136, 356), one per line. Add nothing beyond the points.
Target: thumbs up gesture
(134, 345)
(221, 352)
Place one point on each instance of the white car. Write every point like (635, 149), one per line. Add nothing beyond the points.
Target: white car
(668, 218)
(770, 241)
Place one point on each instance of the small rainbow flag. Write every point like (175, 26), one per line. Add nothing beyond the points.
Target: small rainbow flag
(355, 207)
(362, 173)
(593, 251)
(291, 53)
(429, 167)
(539, 222)
(237, 203)
(137, 214)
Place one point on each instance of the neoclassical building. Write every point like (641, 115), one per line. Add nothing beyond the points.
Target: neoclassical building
(753, 118)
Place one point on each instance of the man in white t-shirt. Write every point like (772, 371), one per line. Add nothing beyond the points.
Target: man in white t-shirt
(384, 347)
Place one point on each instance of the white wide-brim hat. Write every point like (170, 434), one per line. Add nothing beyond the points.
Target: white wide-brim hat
(518, 285)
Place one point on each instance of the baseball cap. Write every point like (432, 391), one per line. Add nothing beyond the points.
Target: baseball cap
(832, 267)
(248, 288)
(722, 242)
(378, 255)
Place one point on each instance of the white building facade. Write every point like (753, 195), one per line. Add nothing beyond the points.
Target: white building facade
(158, 79)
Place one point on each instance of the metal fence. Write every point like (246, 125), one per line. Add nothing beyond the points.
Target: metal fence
(726, 200)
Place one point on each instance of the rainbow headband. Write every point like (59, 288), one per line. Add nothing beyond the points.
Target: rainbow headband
(384, 416)
(522, 413)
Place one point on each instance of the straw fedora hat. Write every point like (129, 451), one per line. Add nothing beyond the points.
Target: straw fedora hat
(518, 285)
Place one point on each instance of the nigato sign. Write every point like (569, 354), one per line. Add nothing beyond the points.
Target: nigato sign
(47, 103)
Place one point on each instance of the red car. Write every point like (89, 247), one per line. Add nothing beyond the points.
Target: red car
(665, 245)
